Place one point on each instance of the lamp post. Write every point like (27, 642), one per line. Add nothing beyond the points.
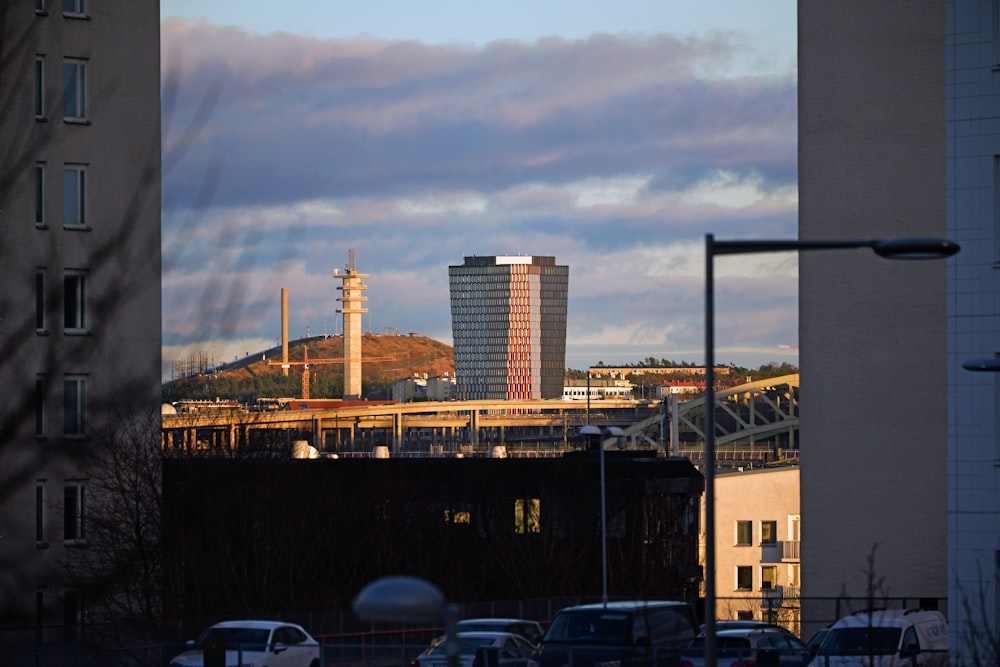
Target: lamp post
(911, 248)
(401, 599)
(594, 434)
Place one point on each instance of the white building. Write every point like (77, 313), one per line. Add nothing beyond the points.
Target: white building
(80, 268)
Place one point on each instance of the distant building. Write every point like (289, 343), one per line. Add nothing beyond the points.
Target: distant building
(441, 388)
(508, 321)
(576, 390)
(80, 311)
(406, 390)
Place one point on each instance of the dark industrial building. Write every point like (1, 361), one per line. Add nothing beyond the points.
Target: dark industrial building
(253, 534)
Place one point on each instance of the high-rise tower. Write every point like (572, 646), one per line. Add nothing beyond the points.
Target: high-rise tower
(508, 322)
(353, 287)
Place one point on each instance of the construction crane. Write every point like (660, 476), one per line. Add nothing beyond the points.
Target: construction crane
(305, 363)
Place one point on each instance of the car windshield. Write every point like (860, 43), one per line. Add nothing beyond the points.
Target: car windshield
(596, 626)
(466, 645)
(861, 641)
(247, 638)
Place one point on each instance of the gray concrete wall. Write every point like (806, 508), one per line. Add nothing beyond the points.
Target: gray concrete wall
(872, 331)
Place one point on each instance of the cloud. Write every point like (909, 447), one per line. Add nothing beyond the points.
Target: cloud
(613, 153)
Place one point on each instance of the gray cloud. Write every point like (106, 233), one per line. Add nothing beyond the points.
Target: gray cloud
(283, 152)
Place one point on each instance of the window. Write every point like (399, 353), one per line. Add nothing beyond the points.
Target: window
(40, 7)
(769, 577)
(74, 90)
(74, 504)
(744, 578)
(744, 533)
(768, 532)
(40, 301)
(75, 406)
(41, 514)
(39, 194)
(39, 86)
(526, 511)
(74, 195)
(40, 406)
(75, 301)
(74, 7)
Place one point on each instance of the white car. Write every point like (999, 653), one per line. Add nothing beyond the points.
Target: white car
(251, 644)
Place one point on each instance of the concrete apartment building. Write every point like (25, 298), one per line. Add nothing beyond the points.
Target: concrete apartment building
(899, 135)
(80, 269)
(758, 521)
(508, 322)
(873, 332)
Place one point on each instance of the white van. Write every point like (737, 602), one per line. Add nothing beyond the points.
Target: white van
(892, 637)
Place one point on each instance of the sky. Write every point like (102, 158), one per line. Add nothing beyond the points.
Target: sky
(612, 136)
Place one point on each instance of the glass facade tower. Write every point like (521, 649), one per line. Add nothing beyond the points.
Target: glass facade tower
(508, 323)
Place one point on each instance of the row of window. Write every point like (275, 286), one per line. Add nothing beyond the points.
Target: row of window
(744, 533)
(74, 191)
(768, 577)
(72, 8)
(74, 302)
(73, 513)
(74, 406)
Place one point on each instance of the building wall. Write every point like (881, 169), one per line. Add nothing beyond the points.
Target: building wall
(872, 332)
(508, 319)
(756, 496)
(115, 351)
(974, 320)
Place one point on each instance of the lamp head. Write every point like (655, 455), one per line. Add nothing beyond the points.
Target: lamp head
(915, 248)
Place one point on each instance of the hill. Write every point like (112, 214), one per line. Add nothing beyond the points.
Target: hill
(259, 374)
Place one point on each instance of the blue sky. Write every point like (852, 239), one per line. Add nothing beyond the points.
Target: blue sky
(612, 136)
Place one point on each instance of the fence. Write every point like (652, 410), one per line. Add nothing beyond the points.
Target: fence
(349, 642)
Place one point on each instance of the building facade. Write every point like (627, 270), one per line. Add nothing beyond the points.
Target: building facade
(508, 322)
(80, 268)
(973, 71)
(873, 333)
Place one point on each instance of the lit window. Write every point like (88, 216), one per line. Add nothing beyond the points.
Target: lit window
(74, 504)
(744, 533)
(526, 515)
(74, 90)
(75, 406)
(39, 87)
(768, 532)
(769, 577)
(74, 195)
(75, 302)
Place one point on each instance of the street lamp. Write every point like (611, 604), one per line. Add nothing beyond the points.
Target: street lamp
(593, 434)
(912, 248)
(986, 365)
(401, 599)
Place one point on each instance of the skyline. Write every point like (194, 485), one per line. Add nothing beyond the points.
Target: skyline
(612, 149)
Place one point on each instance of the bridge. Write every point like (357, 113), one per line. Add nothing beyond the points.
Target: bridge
(764, 414)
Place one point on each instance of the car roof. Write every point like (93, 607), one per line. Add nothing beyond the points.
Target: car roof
(887, 618)
(256, 625)
(626, 605)
(496, 620)
(487, 634)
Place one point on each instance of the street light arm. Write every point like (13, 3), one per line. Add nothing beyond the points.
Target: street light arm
(909, 248)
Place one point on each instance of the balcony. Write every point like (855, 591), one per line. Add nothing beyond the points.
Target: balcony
(780, 552)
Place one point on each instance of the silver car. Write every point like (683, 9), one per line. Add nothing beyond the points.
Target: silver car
(512, 650)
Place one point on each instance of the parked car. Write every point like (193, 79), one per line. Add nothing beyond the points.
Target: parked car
(744, 647)
(739, 624)
(257, 643)
(512, 650)
(530, 630)
(625, 634)
(817, 639)
(886, 638)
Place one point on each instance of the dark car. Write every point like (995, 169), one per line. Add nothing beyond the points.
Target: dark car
(630, 634)
(530, 630)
